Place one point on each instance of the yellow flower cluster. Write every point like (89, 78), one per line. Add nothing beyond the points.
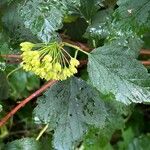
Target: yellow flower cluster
(48, 61)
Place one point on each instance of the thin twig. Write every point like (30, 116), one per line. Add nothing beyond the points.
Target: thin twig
(25, 101)
(84, 62)
(146, 63)
(11, 56)
(83, 46)
(145, 52)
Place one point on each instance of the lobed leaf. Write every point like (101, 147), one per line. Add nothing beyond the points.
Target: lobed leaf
(113, 70)
(44, 18)
(106, 29)
(69, 107)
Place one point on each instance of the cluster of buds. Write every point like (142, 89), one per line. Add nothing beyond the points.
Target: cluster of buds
(48, 61)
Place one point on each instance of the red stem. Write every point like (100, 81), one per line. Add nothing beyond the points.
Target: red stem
(83, 46)
(145, 52)
(146, 63)
(25, 101)
(11, 56)
(86, 48)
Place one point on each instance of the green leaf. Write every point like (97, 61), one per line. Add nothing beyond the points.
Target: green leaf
(28, 82)
(99, 28)
(73, 30)
(105, 29)
(135, 10)
(110, 3)
(114, 120)
(89, 8)
(44, 18)
(69, 107)
(113, 70)
(2, 66)
(127, 136)
(14, 25)
(4, 42)
(99, 139)
(23, 144)
(20, 77)
(3, 2)
(46, 142)
(146, 41)
(33, 81)
(140, 143)
(4, 90)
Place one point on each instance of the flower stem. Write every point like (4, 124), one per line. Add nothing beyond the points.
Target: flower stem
(41, 133)
(76, 53)
(75, 47)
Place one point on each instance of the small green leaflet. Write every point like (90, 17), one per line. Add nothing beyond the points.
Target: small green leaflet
(69, 107)
(138, 10)
(23, 144)
(112, 70)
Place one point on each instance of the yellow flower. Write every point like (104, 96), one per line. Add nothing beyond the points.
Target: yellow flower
(48, 67)
(27, 67)
(47, 58)
(42, 73)
(72, 69)
(74, 62)
(66, 72)
(57, 67)
(27, 46)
